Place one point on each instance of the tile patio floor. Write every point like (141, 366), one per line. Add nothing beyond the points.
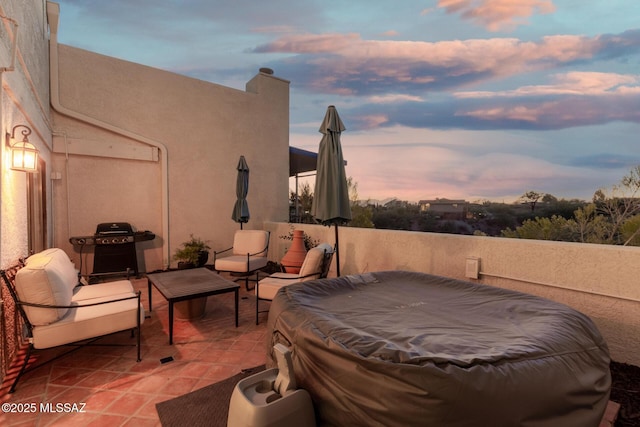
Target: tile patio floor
(118, 391)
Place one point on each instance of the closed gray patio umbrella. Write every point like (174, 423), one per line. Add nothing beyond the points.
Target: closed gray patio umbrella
(331, 195)
(241, 207)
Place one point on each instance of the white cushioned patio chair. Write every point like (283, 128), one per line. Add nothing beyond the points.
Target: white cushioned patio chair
(247, 255)
(315, 266)
(57, 309)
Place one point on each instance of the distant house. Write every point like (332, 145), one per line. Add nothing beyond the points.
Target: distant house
(445, 208)
(385, 203)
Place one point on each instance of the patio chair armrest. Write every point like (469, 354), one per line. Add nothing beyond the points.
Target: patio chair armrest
(295, 278)
(310, 275)
(298, 278)
(215, 253)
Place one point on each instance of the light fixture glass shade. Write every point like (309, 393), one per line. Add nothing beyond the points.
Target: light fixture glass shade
(24, 157)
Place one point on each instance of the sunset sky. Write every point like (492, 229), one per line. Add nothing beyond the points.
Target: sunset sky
(473, 99)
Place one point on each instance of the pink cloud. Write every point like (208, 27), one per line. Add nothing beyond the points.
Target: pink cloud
(572, 83)
(587, 97)
(347, 57)
(497, 14)
(310, 43)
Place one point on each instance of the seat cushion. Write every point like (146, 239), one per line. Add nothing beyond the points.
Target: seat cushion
(48, 277)
(109, 289)
(238, 263)
(81, 323)
(269, 286)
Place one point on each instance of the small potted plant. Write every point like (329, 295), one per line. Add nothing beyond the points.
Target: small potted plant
(193, 253)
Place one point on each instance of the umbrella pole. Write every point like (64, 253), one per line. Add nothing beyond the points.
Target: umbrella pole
(337, 254)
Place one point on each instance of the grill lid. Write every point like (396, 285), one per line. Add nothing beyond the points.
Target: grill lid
(111, 228)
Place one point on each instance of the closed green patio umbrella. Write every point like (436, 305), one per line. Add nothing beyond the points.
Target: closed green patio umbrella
(331, 195)
(241, 207)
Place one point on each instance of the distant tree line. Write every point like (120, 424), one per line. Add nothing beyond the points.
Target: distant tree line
(611, 217)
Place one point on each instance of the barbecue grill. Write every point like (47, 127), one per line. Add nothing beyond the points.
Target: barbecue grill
(115, 247)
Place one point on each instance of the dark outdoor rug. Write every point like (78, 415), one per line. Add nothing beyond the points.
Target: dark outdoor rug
(208, 406)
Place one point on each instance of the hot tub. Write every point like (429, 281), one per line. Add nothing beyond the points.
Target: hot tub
(403, 348)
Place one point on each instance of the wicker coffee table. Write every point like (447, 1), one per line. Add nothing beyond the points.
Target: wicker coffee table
(183, 285)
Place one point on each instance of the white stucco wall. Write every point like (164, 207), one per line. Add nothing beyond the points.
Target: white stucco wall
(24, 100)
(602, 281)
(205, 128)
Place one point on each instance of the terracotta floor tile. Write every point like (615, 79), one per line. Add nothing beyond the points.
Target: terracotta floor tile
(179, 386)
(241, 345)
(12, 419)
(124, 382)
(71, 377)
(73, 395)
(231, 357)
(151, 383)
(171, 369)
(219, 372)
(146, 365)
(120, 364)
(141, 422)
(98, 379)
(221, 344)
(211, 355)
(195, 370)
(30, 389)
(101, 399)
(108, 420)
(128, 404)
(74, 420)
(149, 410)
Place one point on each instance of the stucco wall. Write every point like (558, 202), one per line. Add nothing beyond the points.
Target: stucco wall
(601, 281)
(24, 100)
(205, 128)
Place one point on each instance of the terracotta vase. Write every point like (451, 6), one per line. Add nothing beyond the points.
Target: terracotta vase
(293, 259)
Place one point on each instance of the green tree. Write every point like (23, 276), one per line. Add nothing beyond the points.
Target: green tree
(630, 231)
(499, 217)
(589, 226)
(391, 219)
(549, 205)
(612, 218)
(531, 198)
(554, 228)
(619, 205)
(361, 214)
(304, 202)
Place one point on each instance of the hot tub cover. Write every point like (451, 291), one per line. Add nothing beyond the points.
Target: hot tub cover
(400, 348)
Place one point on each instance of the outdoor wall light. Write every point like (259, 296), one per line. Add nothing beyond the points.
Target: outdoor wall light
(24, 155)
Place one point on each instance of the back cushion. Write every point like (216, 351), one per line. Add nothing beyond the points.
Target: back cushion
(250, 242)
(48, 278)
(313, 261)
